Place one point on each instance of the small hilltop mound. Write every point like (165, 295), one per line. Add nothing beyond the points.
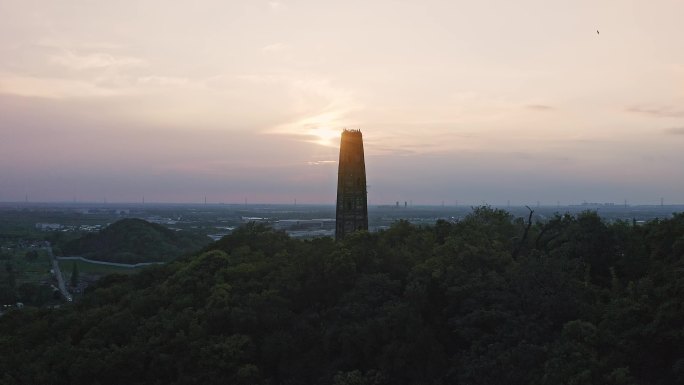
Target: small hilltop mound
(134, 240)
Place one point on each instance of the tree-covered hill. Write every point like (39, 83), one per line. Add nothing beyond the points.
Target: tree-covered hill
(482, 301)
(135, 240)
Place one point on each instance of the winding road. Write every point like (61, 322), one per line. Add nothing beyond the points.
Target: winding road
(58, 273)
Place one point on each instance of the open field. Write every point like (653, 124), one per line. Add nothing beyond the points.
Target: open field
(26, 270)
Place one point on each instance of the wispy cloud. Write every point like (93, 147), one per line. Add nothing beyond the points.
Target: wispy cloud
(539, 107)
(275, 5)
(254, 78)
(662, 112)
(275, 48)
(164, 81)
(534, 156)
(321, 109)
(320, 162)
(53, 88)
(98, 60)
(90, 45)
(64, 88)
(675, 131)
(323, 128)
(381, 150)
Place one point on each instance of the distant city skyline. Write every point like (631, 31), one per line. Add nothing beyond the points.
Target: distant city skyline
(458, 101)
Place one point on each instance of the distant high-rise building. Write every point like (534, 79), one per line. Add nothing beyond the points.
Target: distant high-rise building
(352, 205)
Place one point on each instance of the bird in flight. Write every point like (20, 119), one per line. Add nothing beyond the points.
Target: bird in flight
(597, 32)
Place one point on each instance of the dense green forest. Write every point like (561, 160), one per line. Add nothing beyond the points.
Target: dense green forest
(488, 300)
(135, 240)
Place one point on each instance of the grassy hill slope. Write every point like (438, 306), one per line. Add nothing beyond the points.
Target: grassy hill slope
(135, 240)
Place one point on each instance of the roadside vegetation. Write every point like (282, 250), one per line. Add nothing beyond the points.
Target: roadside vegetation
(95, 269)
(24, 273)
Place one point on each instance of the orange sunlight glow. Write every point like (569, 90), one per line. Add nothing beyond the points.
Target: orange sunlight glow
(323, 129)
(325, 136)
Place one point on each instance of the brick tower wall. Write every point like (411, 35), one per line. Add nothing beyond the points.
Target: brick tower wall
(352, 203)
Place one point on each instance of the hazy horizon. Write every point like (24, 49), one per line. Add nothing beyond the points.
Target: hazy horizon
(200, 202)
(458, 101)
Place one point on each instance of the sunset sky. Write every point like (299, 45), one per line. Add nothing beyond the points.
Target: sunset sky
(475, 101)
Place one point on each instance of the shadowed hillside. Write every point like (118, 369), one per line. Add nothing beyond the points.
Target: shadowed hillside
(135, 240)
(487, 300)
